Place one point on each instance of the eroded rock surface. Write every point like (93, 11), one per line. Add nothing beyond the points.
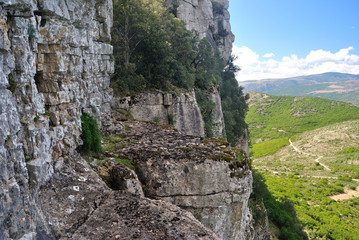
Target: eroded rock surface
(54, 64)
(210, 18)
(180, 110)
(126, 216)
(78, 205)
(203, 177)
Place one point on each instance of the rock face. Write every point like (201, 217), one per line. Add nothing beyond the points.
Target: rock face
(78, 205)
(179, 110)
(54, 64)
(218, 129)
(210, 18)
(202, 177)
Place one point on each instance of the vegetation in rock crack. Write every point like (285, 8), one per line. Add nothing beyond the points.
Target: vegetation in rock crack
(91, 136)
(126, 162)
(31, 31)
(12, 84)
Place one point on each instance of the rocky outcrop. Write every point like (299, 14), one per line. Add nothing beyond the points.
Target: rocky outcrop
(54, 64)
(210, 18)
(78, 205)
(126, 216)
(218, 128)
(180, 110)
(203, 177)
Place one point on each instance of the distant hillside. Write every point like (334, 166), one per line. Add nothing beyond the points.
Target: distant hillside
(336, 86)
(274, 119)
(319, 173)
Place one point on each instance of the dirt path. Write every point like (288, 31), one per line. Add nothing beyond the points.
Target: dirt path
(309, 154)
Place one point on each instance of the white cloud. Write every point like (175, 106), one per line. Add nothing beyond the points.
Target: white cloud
(317, 61)
(268, 55)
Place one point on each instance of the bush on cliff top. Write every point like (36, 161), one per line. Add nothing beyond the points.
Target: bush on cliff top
(91, 136)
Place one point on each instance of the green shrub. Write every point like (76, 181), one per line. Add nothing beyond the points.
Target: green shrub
(12, 84)
(125, 162)
(170, 119)
(91, 136)
(156, 119)
(31, 31)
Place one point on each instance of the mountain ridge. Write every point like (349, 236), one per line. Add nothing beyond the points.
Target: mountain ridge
(330, 85)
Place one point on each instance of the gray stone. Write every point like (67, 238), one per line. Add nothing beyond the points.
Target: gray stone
(203, 177)
(58, 58)
(218, 129)
(182, 108)
(204, 18)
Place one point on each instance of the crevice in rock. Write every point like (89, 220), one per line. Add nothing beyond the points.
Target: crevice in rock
(189, 195)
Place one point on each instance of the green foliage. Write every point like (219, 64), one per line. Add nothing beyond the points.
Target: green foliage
(275, 118)
(36, 118)
(125, 162)
(206, 106)
(208, 67)
(152, 48)
(234, 104)
(12, 84)
(349, 150)
(31, 31)
(219, 157)
(280, 210)
(170, 119)
(124, 112)
(156, 119)
(91, 136)
(28, 158)
(114, 139)
(187, 149)
(268, 147)
(322, 217)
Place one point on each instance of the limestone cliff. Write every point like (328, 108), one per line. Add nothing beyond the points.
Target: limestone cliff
(210, 18)
(204, 177)
(54, 63)
(180, 110)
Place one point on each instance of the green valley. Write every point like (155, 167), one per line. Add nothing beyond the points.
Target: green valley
(306, 150)
(272, 120)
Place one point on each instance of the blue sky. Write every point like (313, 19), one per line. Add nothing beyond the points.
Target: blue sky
(283, 38)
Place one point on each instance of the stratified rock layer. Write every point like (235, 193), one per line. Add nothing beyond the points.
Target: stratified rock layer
(78, 205)
(180, 110)
(203, 177)
(54, 64)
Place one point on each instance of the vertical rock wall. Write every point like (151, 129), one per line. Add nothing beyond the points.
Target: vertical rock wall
(54, 63)
(179, 110)
(218, 129)
(210, 19)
